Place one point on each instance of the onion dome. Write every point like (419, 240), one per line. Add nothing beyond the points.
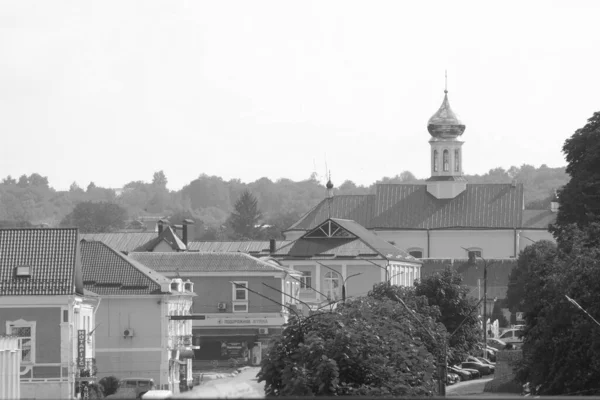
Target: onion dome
(329, 185)
(444, 124)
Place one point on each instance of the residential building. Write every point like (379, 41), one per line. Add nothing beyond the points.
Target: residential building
(446, 217)
(124, 242)
(242, 301)
(45, 306)
(10, 367)
(141, 327)
(341, 258)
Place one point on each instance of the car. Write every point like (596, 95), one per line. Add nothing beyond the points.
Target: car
(479, 366)
(512, 336)
(486, 361)
(496, 343)
(452, 378)
(462, 374)
(133, 388)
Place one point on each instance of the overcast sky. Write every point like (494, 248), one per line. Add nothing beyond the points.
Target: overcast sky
(112, 91)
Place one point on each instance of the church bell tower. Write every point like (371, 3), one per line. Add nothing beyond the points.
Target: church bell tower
(446, 181)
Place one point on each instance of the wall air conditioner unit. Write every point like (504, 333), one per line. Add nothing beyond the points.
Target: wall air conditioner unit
(127, 332)
(263, 331)
(222, 306)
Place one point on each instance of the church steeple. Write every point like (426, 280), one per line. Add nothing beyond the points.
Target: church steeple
(445, 128)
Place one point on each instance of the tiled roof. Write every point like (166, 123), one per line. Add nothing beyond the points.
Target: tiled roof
(410, 206)
(252, 247)
(167, 235)
(51, 255)
(358, 208)
(538, 219)
(121, 241)
(204, 262)
(363, 244)
(109, 272)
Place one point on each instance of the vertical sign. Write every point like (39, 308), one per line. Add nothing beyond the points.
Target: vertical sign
(81, 336)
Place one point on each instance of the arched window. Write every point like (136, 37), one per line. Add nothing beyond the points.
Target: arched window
(435, 161)
(456, 160)
(333, 287)
(416, 252)
(446, 161)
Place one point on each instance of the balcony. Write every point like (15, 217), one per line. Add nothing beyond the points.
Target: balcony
(179, 342)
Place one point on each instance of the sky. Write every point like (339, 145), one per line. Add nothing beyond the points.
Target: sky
(116, 90)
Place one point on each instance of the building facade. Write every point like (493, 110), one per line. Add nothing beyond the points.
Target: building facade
(241, 301)
(140, 329)
(44, 304)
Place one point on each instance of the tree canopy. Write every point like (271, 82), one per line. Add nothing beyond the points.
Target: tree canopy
(245, 218)
(92, 217)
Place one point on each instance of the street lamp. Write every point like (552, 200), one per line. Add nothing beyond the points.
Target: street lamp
(343, 280)
(484, 300)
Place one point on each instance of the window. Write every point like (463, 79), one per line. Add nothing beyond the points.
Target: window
(456, 160)
(435, 161)
(474, 253)
(332, 286)
(416, 252)
(23, 271)
(240, 296)
(446, 157)
(306, 280)
(26, 333)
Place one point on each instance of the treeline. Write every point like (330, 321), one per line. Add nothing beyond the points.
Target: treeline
(30, 200)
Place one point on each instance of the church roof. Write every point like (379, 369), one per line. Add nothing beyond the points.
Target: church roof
(342, 238)
(410, 206)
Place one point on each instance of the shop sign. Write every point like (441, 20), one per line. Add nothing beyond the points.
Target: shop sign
(237, 322)
(81, 341)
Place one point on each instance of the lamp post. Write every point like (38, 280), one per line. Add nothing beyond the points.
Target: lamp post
(484, 302)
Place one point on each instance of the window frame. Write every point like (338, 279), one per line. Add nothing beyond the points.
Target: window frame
(239, 302)
(24, 324)
(436, 164)
(413, 249)
(330, 291)
(456, 160)
(306, 281)
(446, 161)
(475, 250)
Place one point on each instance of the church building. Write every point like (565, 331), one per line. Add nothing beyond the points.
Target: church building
(446, 217)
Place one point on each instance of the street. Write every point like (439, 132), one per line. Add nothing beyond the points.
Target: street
(243, 385)
(474, 387)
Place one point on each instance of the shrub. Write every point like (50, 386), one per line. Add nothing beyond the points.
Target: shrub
(110, 384)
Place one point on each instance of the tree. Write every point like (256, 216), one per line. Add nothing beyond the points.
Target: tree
(23, 181)
(245, 217)
(445, 290)
(361, 349)
(580, 198)
(9, 180)
(159, 179)
(92, 217)
(498, 315)
(109, 384)
(91, 187)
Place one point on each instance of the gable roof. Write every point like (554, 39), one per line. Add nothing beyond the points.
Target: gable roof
(252, 247)
(205, 262)
(109, 272)
(121, 241)
(343, 238)
(538, 219)
(410, 206)
(167, 235)
(51, 254)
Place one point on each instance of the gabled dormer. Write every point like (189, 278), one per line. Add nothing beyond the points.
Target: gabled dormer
(329, 229)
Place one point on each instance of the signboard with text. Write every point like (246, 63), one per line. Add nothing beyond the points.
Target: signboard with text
(239, 322)
(81, 343)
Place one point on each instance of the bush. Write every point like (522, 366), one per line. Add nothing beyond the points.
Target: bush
(110, 384)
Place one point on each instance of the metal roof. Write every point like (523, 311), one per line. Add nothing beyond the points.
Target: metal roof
(168, 236)
(358, 208)
(121, 241)
(51, 255)
(253, 247)
(109, 272)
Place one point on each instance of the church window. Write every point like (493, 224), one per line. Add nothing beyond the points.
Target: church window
(446, 161)
(456, 160)
(435, 161)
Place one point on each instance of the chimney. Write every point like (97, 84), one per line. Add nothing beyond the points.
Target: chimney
(186, 232)
(272, 246)
(161, 223)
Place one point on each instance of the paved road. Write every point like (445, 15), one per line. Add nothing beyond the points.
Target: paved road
(243, 385)
(474, 387)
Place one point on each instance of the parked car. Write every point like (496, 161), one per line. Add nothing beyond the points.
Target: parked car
(474, 374)
(486, 361)
(489, 351)
(462, 374)
(133, 388)
(512, 336)
(479, 366)
(496, 343)
(452, 378)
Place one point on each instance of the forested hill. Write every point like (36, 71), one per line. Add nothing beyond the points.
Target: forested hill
(209, 199)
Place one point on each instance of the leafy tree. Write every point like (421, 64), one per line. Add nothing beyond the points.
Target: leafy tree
(498, 315)
(245, 217)
(445, 290)
(91, 187)
(580, 198)
(9, 180)
(92, 217)
(23, 181)
(110, 384)
(362, 349)
(74, 188)
(159, 179)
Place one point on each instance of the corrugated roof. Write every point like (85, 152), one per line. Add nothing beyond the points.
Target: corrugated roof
(410, 206)
(204, 262)
(109, 272)
(538, 219)
(253, 247)
(358, 208)
(121, 241)
(362, 243)
(51, 255)
(168, 236)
